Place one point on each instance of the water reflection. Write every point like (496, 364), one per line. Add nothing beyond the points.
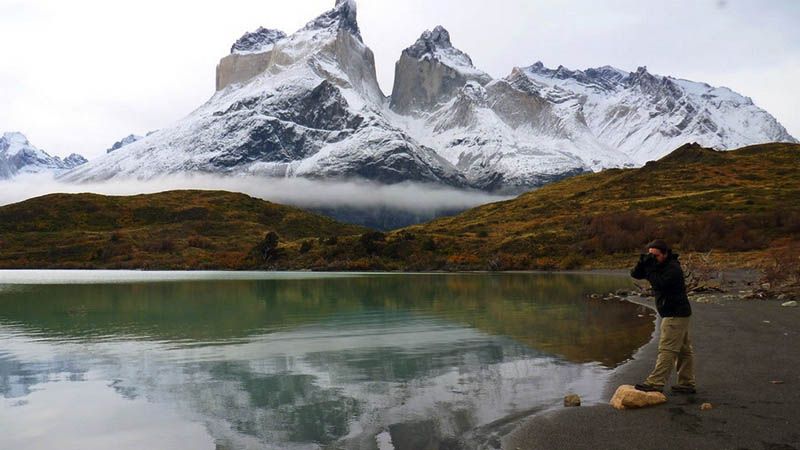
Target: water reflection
(418, 361)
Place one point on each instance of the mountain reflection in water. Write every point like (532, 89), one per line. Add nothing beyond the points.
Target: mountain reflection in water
(317, 360)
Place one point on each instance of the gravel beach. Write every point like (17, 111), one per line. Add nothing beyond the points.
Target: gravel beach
(747, 363)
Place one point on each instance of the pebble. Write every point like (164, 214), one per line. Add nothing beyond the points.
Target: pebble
(791, 304)
(705, 406)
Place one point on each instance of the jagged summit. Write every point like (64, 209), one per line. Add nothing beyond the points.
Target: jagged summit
(435, 44)
(343, 16)
(430, 41)
(129, 139)
(18, 155)
(257, 41)
(431, 71)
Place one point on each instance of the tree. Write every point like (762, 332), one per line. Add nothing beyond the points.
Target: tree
(268, 248)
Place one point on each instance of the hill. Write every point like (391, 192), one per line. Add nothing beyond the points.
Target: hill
(740, 205)
(737, 204)
(189, 229)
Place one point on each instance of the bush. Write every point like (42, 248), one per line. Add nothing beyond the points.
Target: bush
(371, 241)
(617, 232)
(267, 249)
(782, 269)
(306, 246)
(200, 242)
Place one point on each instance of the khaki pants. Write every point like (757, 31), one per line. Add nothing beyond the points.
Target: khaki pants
(674, 351)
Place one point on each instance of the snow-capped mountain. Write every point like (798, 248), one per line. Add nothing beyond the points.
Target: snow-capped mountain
(502, 134)
(646, 116)
(306, 104)
(17, 156)
(309, 105)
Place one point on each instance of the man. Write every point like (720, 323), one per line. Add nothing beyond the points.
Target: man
(661, 268)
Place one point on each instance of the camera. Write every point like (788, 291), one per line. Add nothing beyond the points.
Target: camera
(647, 259)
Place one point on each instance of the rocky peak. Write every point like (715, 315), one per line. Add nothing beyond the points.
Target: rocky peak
(432, 72)
(17, 155)
(653, 85)
(642, 77)
(430, 41)
(13, 139)
(74, 160)
(129, 139)
(257, 41)
(341, 17)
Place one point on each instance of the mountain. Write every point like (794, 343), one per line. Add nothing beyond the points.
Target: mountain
(645, 115)
(308, 105)
(18, 156)
(502, 134)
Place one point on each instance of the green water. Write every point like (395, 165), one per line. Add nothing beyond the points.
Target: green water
(297, 360)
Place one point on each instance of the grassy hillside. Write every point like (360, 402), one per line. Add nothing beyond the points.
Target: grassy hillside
(168, 230)
(738, 204)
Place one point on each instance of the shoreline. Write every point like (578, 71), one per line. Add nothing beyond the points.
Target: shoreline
(741, 348)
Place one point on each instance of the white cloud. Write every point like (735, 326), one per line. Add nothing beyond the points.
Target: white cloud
(300, 192)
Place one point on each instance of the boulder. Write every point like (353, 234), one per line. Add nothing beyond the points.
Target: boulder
(627, 397)
(791, 304)
(572, 400)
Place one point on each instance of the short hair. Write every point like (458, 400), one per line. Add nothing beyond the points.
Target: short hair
(659, 244)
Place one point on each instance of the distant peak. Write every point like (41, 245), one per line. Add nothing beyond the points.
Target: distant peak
(257, 41)
(343, 16)
(16, 137)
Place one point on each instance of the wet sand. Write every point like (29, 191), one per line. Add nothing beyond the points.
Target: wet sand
(741, 347)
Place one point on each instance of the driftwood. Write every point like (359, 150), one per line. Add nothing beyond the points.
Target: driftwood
(699, 273)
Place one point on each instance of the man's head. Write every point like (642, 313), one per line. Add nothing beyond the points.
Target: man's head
(659, 249)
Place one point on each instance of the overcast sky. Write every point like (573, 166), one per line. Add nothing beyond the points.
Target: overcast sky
(77, 75)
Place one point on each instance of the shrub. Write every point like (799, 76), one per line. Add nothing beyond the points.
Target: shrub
(267, 249)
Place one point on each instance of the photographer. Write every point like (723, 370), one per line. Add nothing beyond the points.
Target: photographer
(661, 268)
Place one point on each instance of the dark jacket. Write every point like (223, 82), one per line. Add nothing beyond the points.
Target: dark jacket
(668, 284)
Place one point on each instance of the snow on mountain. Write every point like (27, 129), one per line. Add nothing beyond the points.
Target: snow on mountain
(18, 156)
(502, 134)
(646, 116)
(259, 41)
(129, 139)
(314, 110)
(309, 105)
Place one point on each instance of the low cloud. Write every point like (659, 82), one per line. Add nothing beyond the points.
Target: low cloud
(300, 192)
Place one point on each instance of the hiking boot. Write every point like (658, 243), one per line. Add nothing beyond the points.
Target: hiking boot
(683, 389)
(644, 387)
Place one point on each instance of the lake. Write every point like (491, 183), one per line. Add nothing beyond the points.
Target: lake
(240, 360)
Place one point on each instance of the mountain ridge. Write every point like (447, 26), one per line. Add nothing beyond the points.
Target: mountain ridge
(19, 156)
(309, 105)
